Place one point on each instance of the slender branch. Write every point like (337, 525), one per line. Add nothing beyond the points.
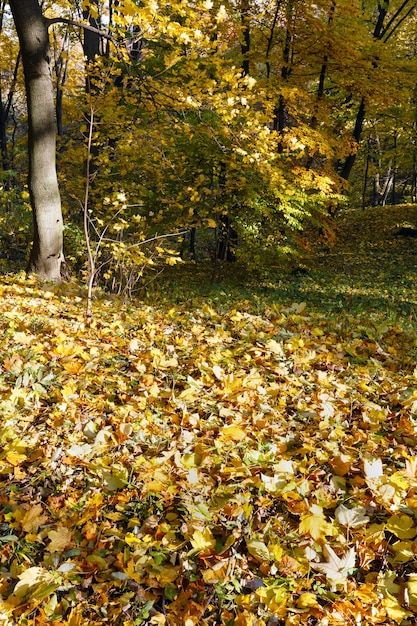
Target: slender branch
(379, 26)
(92, 29)
(2, 8)
(271, 37)
(158, 237)
(66, 20)
(393, 18)
(91, 258)
(398, 24)
(101, 236)
(12, 89)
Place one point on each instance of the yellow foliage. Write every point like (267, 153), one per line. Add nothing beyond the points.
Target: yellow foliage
(202, 541)
(316, 526)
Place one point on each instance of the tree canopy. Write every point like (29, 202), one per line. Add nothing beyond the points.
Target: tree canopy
(198, 111)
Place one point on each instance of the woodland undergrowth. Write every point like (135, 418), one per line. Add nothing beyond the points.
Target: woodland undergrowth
(235, 453)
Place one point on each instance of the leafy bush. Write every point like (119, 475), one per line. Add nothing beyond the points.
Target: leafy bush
(15, 228)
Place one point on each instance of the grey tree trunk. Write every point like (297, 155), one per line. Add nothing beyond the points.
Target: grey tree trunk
(47, 250)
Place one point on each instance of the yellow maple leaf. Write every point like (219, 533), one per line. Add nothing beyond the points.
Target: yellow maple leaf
(33, 518)
(72, 366)
(214, 575)
(29, 580)
(15, 458)
(367, 593)
(307, 600)
(386, 585)
(203, 541)
(60, 538)
(341, 464)
(402, 526)
(398, 481)
(167, 575)
(244, 619)
(315, 525)
(394, 610)
(69, 390)
(233, 432)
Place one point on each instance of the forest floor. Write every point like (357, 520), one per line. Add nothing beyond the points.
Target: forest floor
(231, 453)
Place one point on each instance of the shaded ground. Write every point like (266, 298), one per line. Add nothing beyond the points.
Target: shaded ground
(369, 269)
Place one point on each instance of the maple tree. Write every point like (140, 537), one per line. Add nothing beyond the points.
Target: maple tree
(251, 147)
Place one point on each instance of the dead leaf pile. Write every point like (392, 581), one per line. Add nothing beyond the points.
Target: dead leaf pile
(195, 465)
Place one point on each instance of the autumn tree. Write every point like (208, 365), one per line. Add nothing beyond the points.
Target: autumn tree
(46, 256)
(202, 112)
(47, 252)
(195, 124)
(386, 25)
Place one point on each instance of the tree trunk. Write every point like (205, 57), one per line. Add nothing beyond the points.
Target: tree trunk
(61, 72)
(47, 253)
(381, 33)
(366, 174)
(357, 132)
(245, 45)
(91, 47)
(5, 107)
(280, 113)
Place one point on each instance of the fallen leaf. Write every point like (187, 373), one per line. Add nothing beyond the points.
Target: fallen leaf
(337, 569)
(60, 539)
(352, 518)
(258, 550)
(34, 518)
(402, 526)
(203, 541)
(233, 432)
(315, 525)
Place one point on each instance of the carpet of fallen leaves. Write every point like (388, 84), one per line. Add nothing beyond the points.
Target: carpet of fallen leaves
(204, 464)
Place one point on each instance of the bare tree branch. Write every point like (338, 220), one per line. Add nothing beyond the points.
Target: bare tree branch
(69, 22)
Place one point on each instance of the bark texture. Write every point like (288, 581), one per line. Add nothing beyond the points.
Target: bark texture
(47, 250)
